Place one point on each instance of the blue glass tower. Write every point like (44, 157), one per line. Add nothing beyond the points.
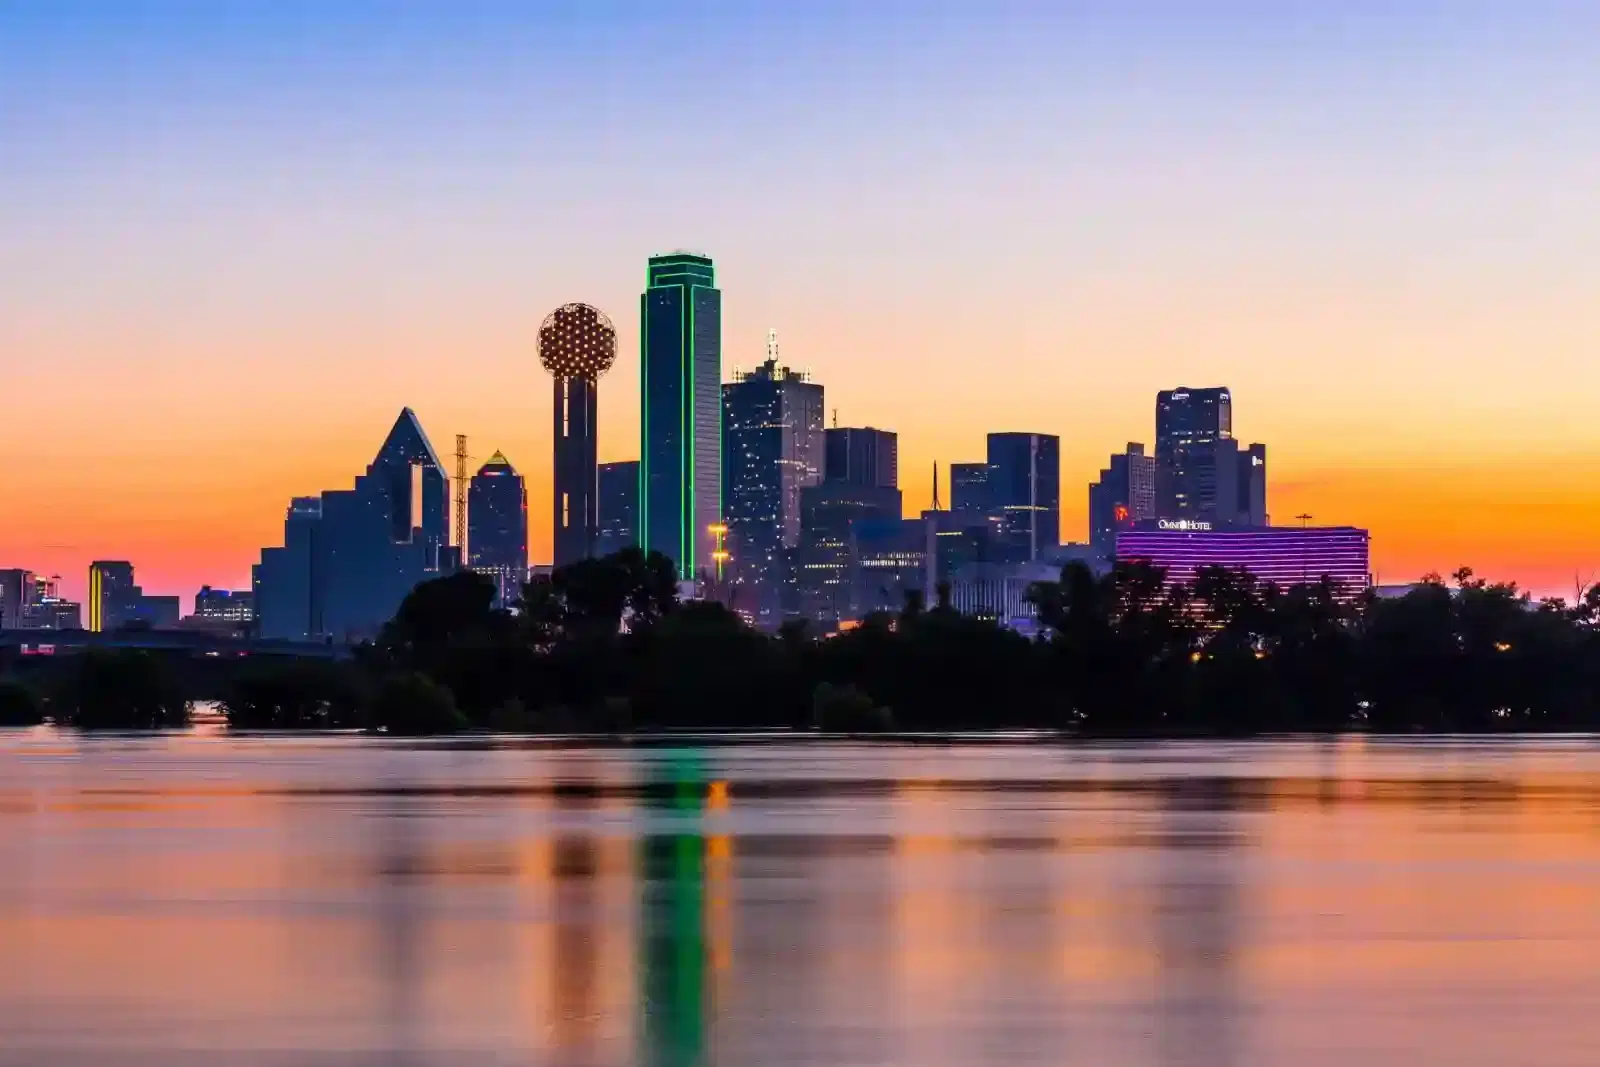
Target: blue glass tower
(1025, 493)
(680, 390)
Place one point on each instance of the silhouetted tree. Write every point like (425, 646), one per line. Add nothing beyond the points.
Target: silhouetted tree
(118, 689)
(19, 705)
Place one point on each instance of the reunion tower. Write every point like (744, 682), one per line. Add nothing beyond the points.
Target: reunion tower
(577, 344)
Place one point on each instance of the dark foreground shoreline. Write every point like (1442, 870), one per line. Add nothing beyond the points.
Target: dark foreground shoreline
(604, 649)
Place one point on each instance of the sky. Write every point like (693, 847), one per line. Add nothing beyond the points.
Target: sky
(236, 238)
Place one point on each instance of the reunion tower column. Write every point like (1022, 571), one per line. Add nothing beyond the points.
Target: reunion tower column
(577, 344)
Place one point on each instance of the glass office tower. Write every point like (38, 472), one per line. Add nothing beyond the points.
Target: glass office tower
(680, 392)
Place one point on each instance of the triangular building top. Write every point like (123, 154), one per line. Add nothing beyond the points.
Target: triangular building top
(407, 444)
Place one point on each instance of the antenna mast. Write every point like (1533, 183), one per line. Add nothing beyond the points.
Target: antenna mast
(936, 506)
(772, 346)
(461, 496)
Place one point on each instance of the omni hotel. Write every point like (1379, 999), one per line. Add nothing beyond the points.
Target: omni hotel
(1282, 555)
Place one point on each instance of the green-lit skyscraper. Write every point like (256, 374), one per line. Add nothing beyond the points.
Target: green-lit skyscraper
(680, 396)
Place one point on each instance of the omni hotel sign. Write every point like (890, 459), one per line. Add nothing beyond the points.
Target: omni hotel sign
(1182, 524)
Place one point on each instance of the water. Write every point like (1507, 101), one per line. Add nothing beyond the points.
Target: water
(199, 899)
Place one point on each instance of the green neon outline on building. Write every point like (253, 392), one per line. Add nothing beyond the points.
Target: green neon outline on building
(689, 274)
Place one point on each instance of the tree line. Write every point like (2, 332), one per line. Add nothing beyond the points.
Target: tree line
(606, 646)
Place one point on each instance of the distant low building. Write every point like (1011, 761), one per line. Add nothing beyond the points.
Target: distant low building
(619, 507)
(999, 591)
(226, 605)
(1283, 555)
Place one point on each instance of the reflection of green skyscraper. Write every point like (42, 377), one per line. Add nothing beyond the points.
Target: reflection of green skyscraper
(680, 396)
(673, 978)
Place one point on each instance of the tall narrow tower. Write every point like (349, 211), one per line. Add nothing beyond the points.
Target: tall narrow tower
(680, 457)
(577, 344)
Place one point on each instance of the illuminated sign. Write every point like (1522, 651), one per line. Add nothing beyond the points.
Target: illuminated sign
(1256, 461)
(1182, 524)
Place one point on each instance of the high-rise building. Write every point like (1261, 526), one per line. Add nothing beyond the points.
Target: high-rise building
(116, 602)
(577, 344)
(969, 489)
(287, 583)
(1252, 493)
(772, 450)
(680, 472)
(1196, 464)
(1025, 493)
(619, 507)
(891, 560)
(110, 590)
(497, 527)
(14, 585)
(350, 556)
(30, 601)
(826, 559)
(863, 456)
(1124, 494)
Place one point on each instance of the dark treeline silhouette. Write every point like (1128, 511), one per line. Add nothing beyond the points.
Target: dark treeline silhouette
(605, 646)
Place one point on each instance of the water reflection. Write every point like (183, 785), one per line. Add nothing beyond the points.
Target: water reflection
(344, 901)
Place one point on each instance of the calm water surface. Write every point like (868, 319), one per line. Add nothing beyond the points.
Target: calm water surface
(200, 899)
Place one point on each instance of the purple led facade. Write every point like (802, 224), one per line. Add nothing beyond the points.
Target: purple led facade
(1285, 556)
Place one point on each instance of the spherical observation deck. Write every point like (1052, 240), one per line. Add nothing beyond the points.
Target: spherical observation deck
(577, 341)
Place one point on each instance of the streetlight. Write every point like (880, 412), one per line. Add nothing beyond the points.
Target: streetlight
(719, 555)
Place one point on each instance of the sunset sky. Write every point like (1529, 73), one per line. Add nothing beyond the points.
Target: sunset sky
(236, 238)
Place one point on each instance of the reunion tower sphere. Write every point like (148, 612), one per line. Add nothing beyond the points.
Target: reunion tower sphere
(577, 341)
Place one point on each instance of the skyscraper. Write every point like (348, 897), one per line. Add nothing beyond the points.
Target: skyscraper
(1124, 494)
(1252, 495)
(351, 555)
(863, 456)
(969, 489)
(15, 585)
(680, 471)
(827, 576)
(1196, 464)
(772, 449)
(287, 583)
(619, 507)
(110, 586)
(577, 344)
(1025, 493)
(497, 532)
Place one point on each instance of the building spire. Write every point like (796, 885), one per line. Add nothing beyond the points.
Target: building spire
(772, 346)
(936, 506)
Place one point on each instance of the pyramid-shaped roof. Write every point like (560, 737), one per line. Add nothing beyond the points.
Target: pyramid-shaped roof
(407, 444)
(497, 464)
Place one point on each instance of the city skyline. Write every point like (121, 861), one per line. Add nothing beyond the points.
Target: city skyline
(1374, 228)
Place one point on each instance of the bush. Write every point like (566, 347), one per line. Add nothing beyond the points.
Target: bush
(513, 717)
(846, 709)
(18, 705)
(414, 705)
(291, 696)
(105, 689)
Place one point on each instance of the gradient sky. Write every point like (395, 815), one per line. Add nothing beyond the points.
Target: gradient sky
(236, 238)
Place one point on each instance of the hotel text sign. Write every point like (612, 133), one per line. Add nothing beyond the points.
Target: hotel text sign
(1182, 524)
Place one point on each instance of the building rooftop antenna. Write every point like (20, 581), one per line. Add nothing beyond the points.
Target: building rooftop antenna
(772, 346)
(936, 506)
(461, 495)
